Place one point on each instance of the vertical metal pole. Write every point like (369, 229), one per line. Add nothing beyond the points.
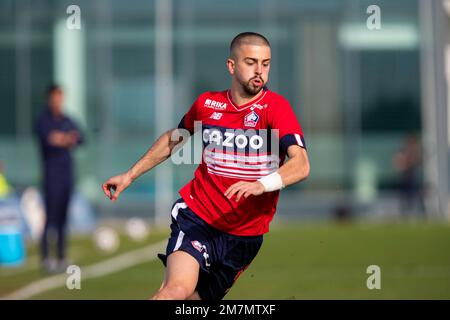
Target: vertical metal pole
(267, 21)
(352, 108)
(23, 69)
(23, 83)
(443, 151)
(163, 105)
(433, 108)
(104, 74)
(69, 66)
(446, 40)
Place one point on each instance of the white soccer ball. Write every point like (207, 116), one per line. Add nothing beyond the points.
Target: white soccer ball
(137, 229)
(106, 239)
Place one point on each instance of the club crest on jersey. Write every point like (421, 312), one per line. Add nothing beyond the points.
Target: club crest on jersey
(251, 119)
(215, 104)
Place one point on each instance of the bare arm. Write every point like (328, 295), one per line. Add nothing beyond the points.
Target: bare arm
(294, 170)
(156, 154)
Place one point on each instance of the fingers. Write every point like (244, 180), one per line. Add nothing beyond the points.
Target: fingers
(245, 191)
(233, 189)
(114, 186)
(107, 187)
(246, 194)
(241, 189)
(106, 190)
(116, 193)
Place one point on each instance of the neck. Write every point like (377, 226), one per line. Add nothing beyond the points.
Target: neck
(56, 115)
(239, 96)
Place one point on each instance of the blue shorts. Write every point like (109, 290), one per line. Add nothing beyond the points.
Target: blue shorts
(222, 256)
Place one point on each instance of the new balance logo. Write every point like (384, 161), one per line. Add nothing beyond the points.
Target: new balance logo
(216, 116)
(215, 104)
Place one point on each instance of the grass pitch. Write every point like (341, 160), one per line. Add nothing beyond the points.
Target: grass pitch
(297, 261)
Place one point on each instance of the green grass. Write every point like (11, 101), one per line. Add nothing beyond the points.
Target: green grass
(330, 262)
(314, 261)
(82, 252)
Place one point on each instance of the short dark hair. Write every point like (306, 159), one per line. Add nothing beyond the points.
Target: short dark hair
(52, 88)
(241, 37)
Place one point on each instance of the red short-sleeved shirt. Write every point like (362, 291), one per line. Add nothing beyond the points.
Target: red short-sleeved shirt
(239, 143)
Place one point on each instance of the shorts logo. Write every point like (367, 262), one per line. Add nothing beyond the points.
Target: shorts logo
(202, 249)
(197, 245)
(251, 119)
(216, 115)
(215, 104)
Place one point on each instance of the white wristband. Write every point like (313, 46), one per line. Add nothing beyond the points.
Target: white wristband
(272, 182)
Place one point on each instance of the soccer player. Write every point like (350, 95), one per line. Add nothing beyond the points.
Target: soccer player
(219, 221)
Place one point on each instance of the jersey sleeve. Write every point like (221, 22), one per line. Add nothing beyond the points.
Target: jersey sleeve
(187, 122)
(282, 118)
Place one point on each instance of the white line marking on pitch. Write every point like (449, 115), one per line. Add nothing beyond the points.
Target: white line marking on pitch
(100, 269)
(33, 263)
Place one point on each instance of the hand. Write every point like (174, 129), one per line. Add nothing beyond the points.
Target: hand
(73, 137)
(117, 184)
(56, 138)
(245, 189)
(63, 139)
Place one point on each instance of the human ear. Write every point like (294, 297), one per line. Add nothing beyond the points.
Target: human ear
(230, 66)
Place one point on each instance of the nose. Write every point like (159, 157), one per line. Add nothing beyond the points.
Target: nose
(258, 70)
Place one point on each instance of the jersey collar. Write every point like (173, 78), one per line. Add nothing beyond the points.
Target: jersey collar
(248, 104)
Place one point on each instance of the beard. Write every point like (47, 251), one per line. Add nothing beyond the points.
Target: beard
(250, 88)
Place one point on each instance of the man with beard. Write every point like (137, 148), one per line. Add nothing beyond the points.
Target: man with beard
(219, 221)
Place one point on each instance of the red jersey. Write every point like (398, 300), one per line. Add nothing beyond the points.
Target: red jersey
(240, 143)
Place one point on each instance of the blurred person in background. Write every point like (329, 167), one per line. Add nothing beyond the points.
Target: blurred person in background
(5, 188)
(58, 136)
(408, 164)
